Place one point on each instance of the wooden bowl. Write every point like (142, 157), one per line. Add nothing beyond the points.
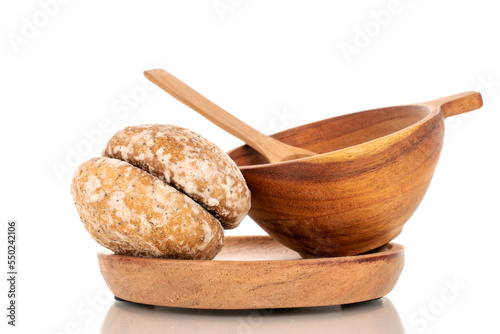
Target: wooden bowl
(371, 172)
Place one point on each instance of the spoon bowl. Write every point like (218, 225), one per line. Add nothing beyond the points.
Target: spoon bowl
(369, 176)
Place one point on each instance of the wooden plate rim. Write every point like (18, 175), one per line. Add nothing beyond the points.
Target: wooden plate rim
(388, 251)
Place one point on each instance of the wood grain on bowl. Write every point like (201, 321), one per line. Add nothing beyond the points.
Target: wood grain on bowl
(371, 172)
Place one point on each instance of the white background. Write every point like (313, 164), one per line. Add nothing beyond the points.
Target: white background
(260, 60)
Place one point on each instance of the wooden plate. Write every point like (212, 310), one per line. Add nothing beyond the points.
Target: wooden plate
(253, 272)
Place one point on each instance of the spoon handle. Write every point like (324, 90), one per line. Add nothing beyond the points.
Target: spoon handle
(457, 104)
(208, 109)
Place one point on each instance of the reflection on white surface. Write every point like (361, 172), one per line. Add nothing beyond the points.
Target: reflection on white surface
(378, 316)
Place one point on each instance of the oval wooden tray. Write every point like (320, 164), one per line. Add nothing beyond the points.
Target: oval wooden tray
(253, 272)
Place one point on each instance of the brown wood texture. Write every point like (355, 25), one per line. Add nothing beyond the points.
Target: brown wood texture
(273, 150)
(253, 272)
(372, 171)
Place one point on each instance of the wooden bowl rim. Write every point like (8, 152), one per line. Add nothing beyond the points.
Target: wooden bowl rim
(430, 113)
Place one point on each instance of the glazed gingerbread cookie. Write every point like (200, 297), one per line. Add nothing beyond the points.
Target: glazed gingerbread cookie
(190, 163)
(160, 191)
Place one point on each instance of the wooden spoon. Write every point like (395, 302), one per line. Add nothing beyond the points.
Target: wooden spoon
(272, 149)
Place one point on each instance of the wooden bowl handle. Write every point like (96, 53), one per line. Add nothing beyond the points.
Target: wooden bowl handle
(457, 104)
